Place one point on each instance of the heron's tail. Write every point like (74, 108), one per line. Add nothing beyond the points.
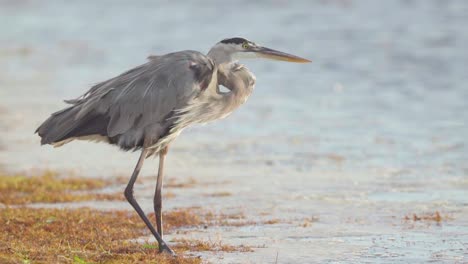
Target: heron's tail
(64, 126)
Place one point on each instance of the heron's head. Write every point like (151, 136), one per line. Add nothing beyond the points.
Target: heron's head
(235, 48)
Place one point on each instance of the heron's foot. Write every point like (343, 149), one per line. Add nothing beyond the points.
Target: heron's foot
(167, 250)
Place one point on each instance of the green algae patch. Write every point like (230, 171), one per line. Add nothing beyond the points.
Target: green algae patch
(48, 187)
(84, 235)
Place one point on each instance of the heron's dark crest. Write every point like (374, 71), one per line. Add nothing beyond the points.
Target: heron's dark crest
(236, 40)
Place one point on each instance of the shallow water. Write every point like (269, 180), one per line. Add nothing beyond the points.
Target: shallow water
(374, 130)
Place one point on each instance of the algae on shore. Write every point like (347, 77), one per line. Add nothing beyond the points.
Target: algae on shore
(48, 187)
(85, 235)
(66, 235)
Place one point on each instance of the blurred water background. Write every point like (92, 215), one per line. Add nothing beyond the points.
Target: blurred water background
(373, 130)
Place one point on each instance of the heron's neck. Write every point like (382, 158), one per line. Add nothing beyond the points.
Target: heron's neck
(220, 55)
(239, 81)
(213, 104)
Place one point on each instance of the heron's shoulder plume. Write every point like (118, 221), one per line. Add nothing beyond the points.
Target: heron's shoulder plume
(153, 57)
(236, 40)
(203, 72)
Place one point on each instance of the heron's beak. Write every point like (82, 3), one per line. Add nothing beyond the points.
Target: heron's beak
(278, 55)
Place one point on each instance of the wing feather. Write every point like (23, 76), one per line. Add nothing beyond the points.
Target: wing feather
(147, 95)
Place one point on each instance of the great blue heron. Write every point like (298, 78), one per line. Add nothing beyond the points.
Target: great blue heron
(147, 107)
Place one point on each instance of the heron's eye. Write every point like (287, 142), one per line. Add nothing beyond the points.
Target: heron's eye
(245, 45)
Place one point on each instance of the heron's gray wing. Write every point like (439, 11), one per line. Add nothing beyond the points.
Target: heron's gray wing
(148, 94)
(153, 57)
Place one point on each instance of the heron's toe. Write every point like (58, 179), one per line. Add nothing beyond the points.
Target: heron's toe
(167, 250)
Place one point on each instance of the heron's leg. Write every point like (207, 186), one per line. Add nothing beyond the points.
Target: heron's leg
(131, 199)
(157, 194)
